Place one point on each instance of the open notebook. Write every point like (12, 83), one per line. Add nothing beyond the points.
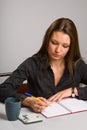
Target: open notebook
(66, 106)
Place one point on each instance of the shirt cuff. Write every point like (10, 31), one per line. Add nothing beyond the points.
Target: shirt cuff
(82, 92)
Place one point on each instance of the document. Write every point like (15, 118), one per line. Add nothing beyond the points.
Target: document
(66, 106)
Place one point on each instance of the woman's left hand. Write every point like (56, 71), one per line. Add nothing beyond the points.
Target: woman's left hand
(60, 95)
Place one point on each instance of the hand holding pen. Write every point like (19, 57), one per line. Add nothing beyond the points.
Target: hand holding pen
(36, 103)
(30, 95)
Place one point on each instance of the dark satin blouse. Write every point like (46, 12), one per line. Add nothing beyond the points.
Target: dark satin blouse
(40, 79)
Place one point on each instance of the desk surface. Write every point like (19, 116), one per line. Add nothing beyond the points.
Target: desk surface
(76, 121)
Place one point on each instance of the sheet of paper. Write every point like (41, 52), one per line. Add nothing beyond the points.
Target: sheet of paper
(54, 109)
(74, 105)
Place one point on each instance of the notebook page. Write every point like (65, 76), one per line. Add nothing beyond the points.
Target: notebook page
(54, 109)
(74, 105)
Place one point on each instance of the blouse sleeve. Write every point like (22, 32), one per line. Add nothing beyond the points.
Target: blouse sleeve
(82, 76)
(9, 87)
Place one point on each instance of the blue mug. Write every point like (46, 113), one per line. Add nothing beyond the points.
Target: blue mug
(12, 107)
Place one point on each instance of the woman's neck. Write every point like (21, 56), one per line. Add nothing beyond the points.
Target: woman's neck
(57, 63)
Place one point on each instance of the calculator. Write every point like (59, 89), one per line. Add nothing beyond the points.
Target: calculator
(30, 118)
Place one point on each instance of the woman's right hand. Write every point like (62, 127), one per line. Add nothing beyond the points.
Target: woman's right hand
(37, 104)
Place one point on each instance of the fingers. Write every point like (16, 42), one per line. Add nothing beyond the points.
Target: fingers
(43, 99)
(44, 102)
(54, 98)
(38, 108)
(60, 95)
(38, 104)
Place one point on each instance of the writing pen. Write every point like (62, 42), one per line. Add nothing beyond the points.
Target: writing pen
(30, 95)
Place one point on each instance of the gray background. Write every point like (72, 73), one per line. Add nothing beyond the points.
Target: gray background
(23, 24)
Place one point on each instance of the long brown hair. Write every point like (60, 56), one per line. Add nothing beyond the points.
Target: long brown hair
(68, 27)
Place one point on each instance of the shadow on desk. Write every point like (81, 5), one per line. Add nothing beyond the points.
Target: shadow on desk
(3, 116)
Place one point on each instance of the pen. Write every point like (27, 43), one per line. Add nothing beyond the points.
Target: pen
(30, 95)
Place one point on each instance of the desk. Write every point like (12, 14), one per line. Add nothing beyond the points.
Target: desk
(77, 121)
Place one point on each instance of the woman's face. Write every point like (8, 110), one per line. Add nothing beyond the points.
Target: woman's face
(58, 45)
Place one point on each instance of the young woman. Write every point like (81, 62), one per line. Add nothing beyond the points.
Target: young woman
(54, 72)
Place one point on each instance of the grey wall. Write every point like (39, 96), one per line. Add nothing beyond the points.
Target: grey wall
(24, 22)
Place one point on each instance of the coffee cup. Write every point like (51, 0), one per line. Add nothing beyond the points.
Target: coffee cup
(12, 108)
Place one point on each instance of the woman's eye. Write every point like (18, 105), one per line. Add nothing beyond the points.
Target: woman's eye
(65, 46)
(55, 43)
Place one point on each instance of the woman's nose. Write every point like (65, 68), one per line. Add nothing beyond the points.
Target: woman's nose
(58, 48)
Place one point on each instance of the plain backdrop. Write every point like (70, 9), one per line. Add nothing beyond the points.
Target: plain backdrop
(23, 24)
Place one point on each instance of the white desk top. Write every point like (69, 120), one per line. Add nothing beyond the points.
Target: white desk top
(77, 121)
